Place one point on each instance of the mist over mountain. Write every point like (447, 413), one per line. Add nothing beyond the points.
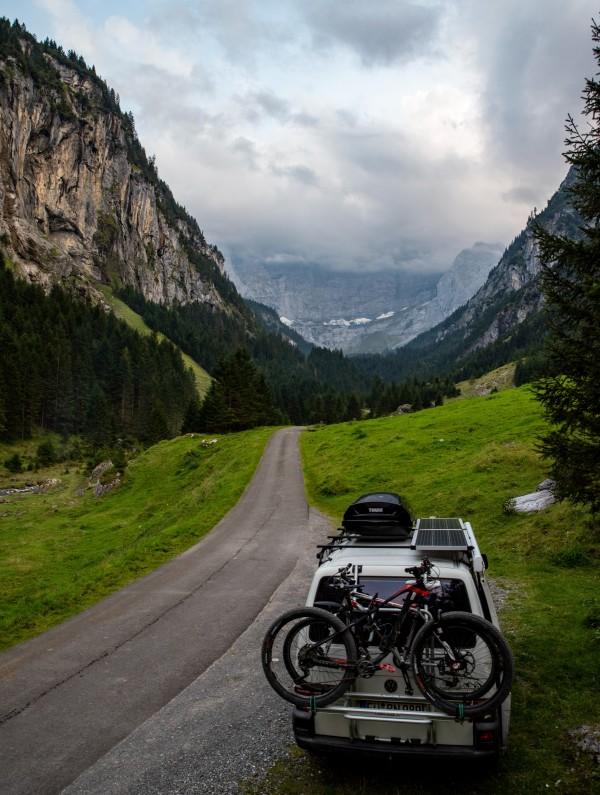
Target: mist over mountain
(362, 312)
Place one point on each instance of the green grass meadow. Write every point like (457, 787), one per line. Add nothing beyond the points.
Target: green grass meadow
(466, 459)
(60, 553)
(136, 322)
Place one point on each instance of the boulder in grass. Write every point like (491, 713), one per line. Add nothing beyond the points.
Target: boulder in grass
(101, 469)
(535, 501)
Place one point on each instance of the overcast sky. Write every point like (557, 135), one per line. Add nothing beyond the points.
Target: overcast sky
(357, 134)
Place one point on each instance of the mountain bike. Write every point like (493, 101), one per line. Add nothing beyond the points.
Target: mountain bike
(459, 661)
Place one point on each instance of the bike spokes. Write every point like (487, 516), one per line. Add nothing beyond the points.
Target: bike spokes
(309, 655)
(458, 664)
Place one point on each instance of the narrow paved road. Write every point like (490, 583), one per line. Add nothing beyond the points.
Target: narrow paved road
(227, 727)
(70, 695)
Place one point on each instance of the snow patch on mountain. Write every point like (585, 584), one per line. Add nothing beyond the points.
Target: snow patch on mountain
(359, 321)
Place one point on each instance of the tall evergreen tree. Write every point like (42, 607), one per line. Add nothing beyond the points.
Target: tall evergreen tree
(238, 398)
(570, 282)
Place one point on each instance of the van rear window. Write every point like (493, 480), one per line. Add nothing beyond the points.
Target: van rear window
(453, 592)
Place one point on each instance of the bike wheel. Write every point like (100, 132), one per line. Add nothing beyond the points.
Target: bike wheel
(309, 657)
(462, 664)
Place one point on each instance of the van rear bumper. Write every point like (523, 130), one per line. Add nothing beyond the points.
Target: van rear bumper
(342, 745)
(483, 747)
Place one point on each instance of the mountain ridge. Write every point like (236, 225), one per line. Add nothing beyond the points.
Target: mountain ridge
(510, 294)
(80, 201)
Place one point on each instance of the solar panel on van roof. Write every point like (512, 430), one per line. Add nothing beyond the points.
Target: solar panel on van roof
(440, 539)
(439, 523)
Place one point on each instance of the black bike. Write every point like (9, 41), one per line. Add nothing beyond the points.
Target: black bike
(460, 662)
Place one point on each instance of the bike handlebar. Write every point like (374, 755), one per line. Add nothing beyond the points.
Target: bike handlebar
(419, 571)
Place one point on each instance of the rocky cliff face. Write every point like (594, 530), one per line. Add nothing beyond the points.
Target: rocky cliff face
(510, 294)
(365, 312)
(79, 201)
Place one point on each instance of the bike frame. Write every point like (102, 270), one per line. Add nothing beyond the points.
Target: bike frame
(376, 604)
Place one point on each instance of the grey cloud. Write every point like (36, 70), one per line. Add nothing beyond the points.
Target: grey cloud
(534, 61)
(272, 105)
(240, 28)
(298, 172)
(162, 96)
(261, 104)
(304, 119)
(521, 194)
(378, 197)
(247, 149)
(376, 152)
(380, 33)
(346, 117)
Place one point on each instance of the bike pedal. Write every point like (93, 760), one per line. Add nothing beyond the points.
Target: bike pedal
(387, 667)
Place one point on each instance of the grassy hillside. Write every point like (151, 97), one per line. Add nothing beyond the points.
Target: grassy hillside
(60, 552)
(125, 313)
(466, 459)
(499, 379)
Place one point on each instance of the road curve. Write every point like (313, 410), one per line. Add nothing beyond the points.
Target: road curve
(71, 694)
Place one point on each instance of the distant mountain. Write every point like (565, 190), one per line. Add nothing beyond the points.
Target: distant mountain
(510, 296)
(366, 312)
(468, 272)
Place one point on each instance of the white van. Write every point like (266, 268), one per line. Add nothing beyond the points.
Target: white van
(387, 713)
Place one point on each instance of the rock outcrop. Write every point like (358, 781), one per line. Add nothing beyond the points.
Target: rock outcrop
(79, 200)
(535, 501)
(511, 293)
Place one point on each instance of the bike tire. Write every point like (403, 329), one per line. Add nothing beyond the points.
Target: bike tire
(281, 636)
(479, 647)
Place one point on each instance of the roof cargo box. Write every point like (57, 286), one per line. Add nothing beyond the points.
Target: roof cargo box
(379, 515)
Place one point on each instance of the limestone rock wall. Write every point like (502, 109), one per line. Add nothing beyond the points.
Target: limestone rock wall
(73, 205)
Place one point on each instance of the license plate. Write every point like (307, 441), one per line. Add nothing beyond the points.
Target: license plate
(395, 706)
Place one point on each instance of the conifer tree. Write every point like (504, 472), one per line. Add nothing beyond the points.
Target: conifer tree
(570, 281)
(238, 397)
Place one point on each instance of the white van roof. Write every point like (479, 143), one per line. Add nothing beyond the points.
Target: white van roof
(447, 542)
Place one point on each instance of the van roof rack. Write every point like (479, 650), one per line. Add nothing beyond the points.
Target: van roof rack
(442, 535)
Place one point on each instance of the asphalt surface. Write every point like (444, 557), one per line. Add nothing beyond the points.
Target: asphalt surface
(227, 727)
(70, 695)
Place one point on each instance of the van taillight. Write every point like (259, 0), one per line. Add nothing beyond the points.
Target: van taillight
(486, 737)
(485, 734)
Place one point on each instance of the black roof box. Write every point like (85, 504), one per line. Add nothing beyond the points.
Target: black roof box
(379, 514)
